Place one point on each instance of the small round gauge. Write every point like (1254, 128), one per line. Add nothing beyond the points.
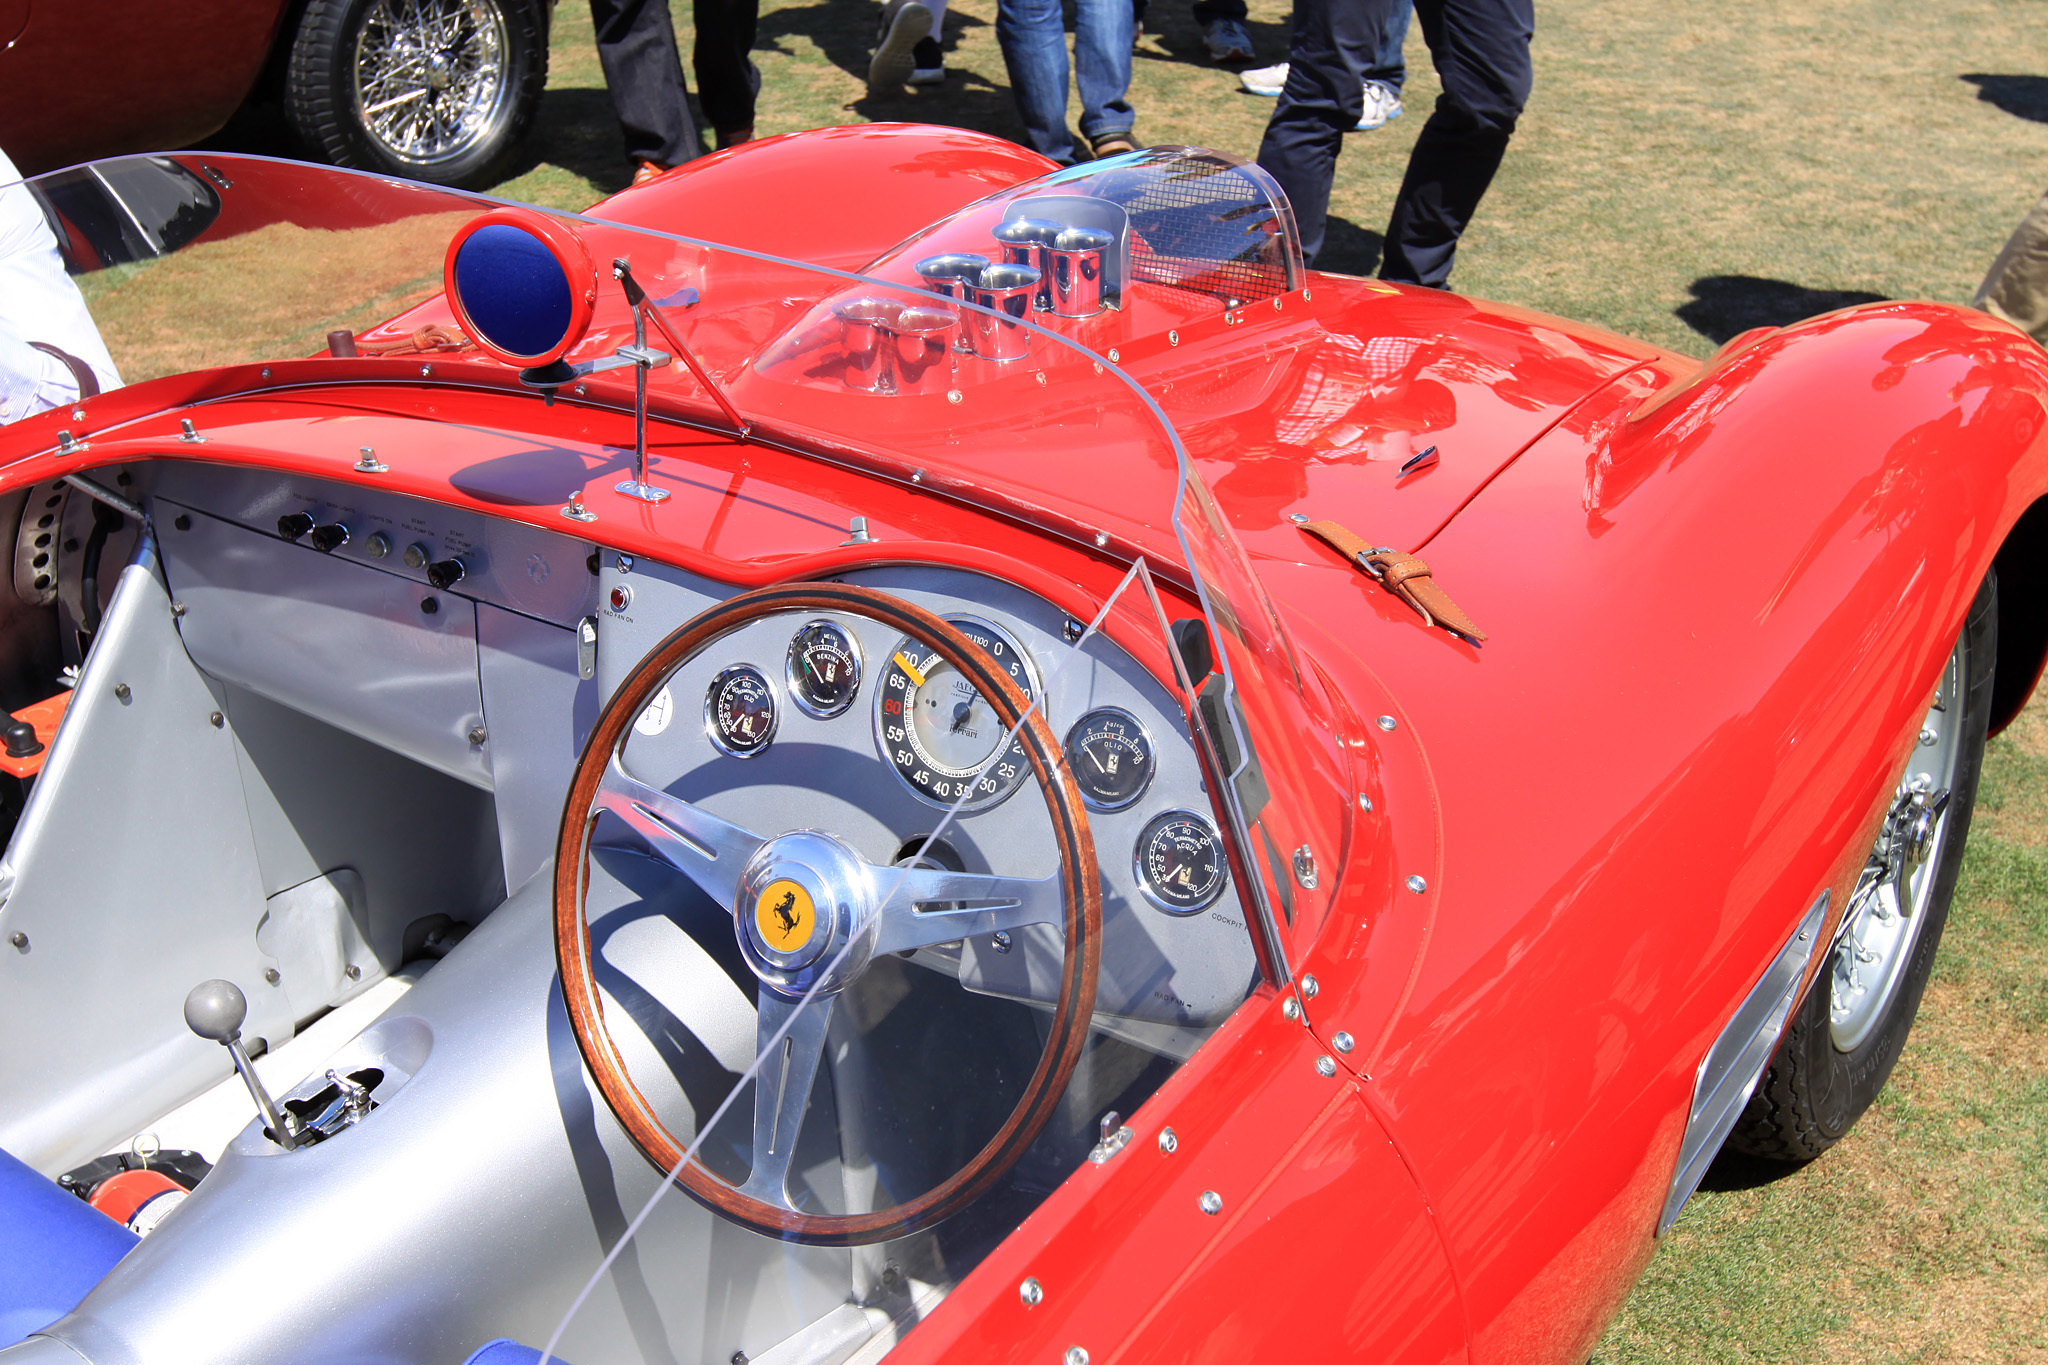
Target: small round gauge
(1180, 862)
(739, 711)
(1110, 756)
(937, 731)
(823, 669)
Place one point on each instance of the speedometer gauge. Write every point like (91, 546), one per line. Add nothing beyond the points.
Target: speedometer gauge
(739, 711)
(937, 731)
(1180, 862)
(823, 669)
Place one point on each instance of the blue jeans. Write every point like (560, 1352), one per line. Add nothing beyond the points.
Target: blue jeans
(1034, 42)
(1388, 67)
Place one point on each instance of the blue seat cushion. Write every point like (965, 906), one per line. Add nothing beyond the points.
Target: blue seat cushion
(54, 1247)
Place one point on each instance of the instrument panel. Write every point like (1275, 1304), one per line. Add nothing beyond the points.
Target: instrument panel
(836, 723)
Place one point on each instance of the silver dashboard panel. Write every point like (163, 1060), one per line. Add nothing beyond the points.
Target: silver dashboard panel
(1163, 975)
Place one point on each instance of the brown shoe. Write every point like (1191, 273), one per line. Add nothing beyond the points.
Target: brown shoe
(1112, 144)
(648, 170)
(735, 137)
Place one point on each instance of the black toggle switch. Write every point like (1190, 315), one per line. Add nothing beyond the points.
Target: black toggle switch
(294, 526)
(328, 539)
(446, 573)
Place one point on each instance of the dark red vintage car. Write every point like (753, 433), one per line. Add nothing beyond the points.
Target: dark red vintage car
(1008, 775)
(436, 90)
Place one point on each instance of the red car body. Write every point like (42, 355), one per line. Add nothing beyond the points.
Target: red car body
(1717, 597)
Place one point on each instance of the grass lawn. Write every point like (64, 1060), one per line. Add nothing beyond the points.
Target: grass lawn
(1683, 173)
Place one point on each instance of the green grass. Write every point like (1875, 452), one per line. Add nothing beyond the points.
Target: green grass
(1683, 172)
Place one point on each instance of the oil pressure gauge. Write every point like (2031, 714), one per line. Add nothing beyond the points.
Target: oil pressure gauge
(739, 711)
(1180, 862)
(1110, 755)
(823, 669)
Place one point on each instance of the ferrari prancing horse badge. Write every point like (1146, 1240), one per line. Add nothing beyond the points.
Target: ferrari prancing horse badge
(783, 916)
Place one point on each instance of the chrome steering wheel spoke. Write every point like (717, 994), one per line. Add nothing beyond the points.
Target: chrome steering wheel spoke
(930, 906)
(709, 851)
(782, 1089)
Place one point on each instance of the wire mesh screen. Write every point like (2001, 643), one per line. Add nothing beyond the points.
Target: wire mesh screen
(1205, 223)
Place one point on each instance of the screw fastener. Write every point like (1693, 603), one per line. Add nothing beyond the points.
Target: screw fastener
(19, 940)
(270, 974)
(1326, 1066)
(121, 693)
(1290, 1008)
(1212, 1203)
(1365, 803)
(1169, 1141)
(1001, 939)
(1031, 1292)
(477, 734)
(217, 720)
(1309, 988)
(1385, 723)
(1343, 1042)
(1417, 885)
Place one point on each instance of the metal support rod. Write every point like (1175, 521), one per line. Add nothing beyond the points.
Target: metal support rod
(635, 295)
(101, 493)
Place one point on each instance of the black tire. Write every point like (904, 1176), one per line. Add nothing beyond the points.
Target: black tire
(1813, 1092)
(459, 82)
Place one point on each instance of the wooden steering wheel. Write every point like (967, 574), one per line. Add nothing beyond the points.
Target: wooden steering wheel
(860, 911)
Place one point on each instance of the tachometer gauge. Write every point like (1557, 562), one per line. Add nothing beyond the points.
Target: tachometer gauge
(823, 669)
(1110, 756)
(937, 731)
(1180, 862)
(739, 711)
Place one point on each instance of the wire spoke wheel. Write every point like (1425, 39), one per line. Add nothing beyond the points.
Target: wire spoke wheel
(431, 76)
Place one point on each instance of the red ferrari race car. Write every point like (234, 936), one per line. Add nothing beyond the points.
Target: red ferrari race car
(878, 748)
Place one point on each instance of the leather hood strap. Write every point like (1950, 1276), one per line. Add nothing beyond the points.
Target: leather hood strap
(88, 382)
(1407, 577)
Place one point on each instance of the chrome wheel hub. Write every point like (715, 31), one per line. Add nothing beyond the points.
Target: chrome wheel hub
(431, 76)
(801, 899)
(1886, 911)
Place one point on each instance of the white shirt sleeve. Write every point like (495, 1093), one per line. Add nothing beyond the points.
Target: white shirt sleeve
(38, 302)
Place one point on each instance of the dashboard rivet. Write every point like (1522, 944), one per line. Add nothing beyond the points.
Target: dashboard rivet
(1031, 1292)
(1169, 1142)
(1076, 1355)
(177, 611)
(1114, 358)
(1417, 885)
(1001, 939)
(477, 734)
(1102, 540)
(1309, 987)
(271, 975)
(266, 372)
(78, 414)
(352, 972)
(917, 476)
(1365, 803)
(1172, 337)
(426, 371)
(182, 522)
(582, 389)
(1212, 1203)
(954, 395)
(1072, 629)
(19, 940)
(217, 720)
(1386, 722)
(1342, 1042)
(121, 693)
(1290, 1008)
(1326, 1066)
(430, 605)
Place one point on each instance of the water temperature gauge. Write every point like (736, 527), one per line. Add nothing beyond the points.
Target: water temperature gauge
(739, 711)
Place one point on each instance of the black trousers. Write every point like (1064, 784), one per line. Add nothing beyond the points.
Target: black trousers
(1206, 11)
(636, 44)
(1481, 52)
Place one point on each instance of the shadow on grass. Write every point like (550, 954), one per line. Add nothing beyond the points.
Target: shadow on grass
(1724, 306)
(1348, 249)
(845, 34)
(1735, 1171)
(2021, 96)
(578, 130)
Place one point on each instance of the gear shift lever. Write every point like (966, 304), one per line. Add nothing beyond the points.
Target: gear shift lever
(215, 1009)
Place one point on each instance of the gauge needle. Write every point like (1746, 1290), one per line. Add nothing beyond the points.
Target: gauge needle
(916, 674)
(960, 715)
(1096, 761)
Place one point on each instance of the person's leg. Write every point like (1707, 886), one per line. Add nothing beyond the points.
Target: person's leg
(1388, 67)
(1102, 66)
(2016, 286)
(1034, 42)
(1481, 49)
(727, 79)
(1223, 30)
(636, 45)
(1323, 98)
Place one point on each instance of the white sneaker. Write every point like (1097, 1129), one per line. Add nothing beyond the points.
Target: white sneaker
(1382, 102)
(1265, 80)
(905, 23)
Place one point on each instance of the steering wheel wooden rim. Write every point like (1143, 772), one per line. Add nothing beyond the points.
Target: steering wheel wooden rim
(1080, 892)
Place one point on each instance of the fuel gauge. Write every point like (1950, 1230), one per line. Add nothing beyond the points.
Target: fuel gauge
(1110, 756)
(823, 669)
